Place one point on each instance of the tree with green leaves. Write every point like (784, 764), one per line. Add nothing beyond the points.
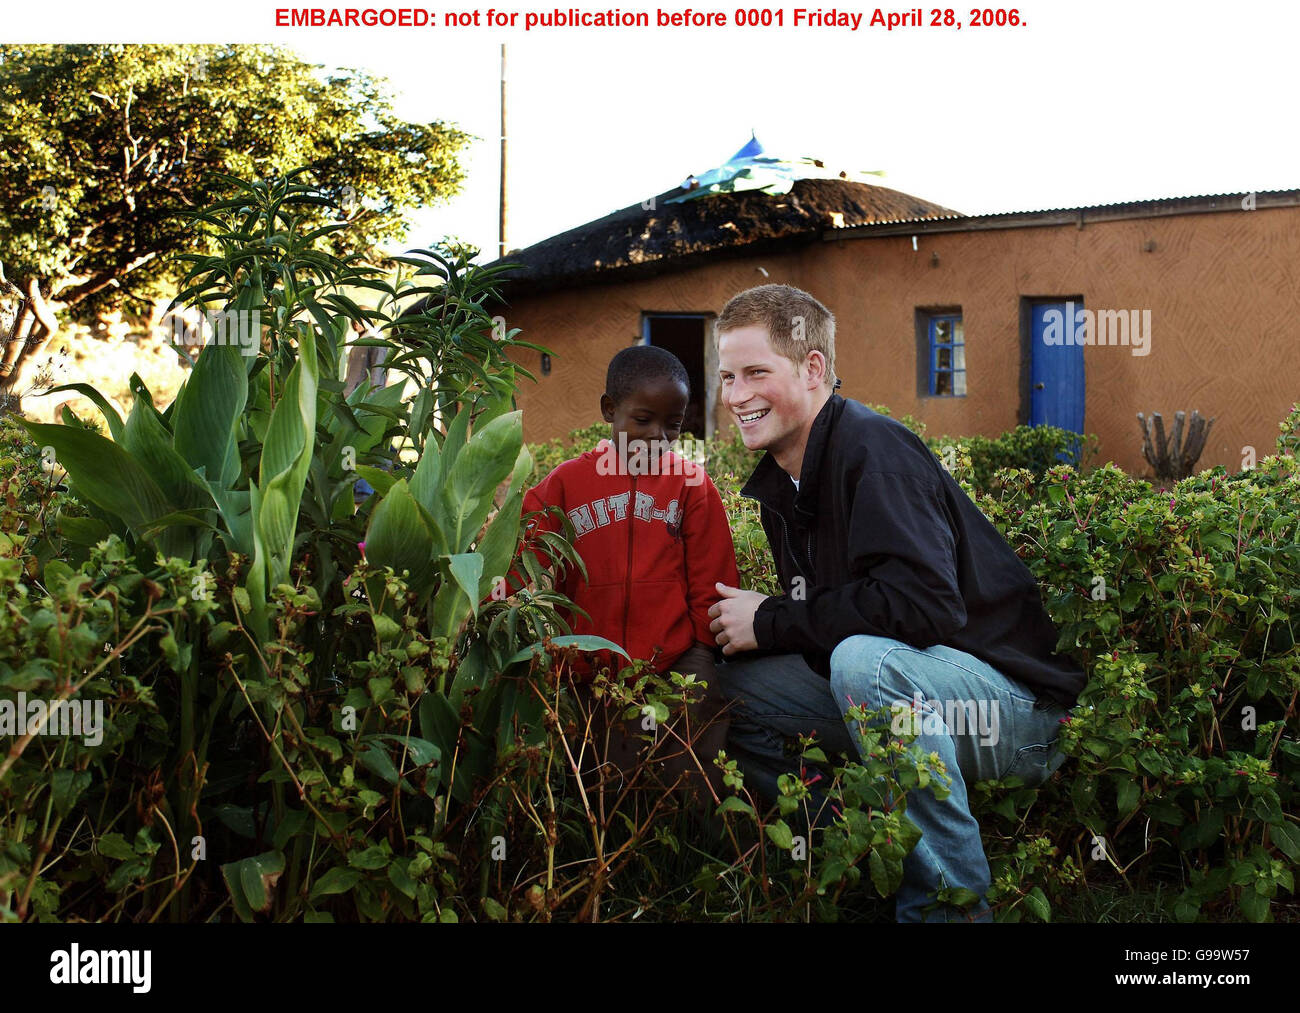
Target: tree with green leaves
(101, 145)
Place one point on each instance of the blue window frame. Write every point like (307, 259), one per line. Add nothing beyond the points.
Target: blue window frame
(947, 363)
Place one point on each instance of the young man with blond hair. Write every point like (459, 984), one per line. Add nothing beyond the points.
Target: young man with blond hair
(898, 592)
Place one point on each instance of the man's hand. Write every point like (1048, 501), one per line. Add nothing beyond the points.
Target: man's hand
(733, 618)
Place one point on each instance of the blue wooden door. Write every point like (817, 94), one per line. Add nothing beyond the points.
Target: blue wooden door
(1056, 377)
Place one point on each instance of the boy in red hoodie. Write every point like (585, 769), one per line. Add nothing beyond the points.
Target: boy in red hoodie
(652, 532)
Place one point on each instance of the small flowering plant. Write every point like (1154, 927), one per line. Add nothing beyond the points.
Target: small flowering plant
(860, 804)
(1181, 605)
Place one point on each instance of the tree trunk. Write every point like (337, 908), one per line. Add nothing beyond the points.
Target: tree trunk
(27, 325)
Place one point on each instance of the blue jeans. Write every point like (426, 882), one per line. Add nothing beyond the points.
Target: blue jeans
(1006, 732)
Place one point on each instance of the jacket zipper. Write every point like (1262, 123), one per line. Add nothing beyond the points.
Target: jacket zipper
(785, 533)
(794, 558)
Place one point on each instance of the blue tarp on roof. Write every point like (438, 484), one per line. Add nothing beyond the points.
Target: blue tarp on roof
(751, 168)
(751, 148)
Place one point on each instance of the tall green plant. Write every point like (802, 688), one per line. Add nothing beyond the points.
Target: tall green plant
(261, 450)
(247, 480)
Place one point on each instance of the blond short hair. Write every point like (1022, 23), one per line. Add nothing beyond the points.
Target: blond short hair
(784, 311)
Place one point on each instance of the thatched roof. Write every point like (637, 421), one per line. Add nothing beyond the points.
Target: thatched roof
(638, 242)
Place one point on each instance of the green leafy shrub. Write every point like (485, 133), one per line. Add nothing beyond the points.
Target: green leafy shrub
(1185, 746)
(107, 637)
(1181, 604)
(242, 492)
(1032, 448)
(1289, 440)
(402, 790)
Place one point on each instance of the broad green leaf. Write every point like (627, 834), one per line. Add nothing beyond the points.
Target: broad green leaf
(235, 886)
(421, 751)
(584, 642)
(467, 569)
(104, 405)
(257, 875)
(468, 487)
(371, 858)
(82, 530)
(1127, 793)
(1204, 832)
(103, 473)
(1038, 903)
(255, 584)
(398, 537)
(368, 415)
(56, 574)
(286, 457)
(472, 672)
(179, 518)
(374, 757)
(457, 434)
(66, 786)
(439, 723)
(1218, 540)
(336, 880)
(497, 546)
(208, 408)
(451, 608)
(1254, 906)
(377, 761)
(1287, 838)
(879, 873)
(832, 872)
(115, 846)
(236, 510)
(963, 898)
(1082, 792)
(421, 408)
(733, 803)
(780, 835)
(401, 879)
(147, 439)
(427, 479)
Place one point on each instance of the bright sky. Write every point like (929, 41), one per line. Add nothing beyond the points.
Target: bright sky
(1090, 102)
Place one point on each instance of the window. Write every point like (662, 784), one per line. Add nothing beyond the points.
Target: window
(942, 348)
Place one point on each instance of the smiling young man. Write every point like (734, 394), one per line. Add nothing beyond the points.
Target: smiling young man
(898, 591)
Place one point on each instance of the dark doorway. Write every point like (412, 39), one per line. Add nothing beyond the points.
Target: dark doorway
(683, 335)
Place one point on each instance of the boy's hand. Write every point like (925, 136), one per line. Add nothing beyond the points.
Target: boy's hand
(733, 618)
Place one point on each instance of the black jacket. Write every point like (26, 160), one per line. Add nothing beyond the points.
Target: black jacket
(888, 544)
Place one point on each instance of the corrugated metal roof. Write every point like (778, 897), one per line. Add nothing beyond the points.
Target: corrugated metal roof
(1121, 209)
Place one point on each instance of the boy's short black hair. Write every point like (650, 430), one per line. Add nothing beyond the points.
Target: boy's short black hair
(638, 364)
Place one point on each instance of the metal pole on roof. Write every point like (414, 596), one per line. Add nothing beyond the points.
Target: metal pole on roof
(501, 236)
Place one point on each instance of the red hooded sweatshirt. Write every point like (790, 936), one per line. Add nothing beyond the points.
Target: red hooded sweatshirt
(653, 544)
